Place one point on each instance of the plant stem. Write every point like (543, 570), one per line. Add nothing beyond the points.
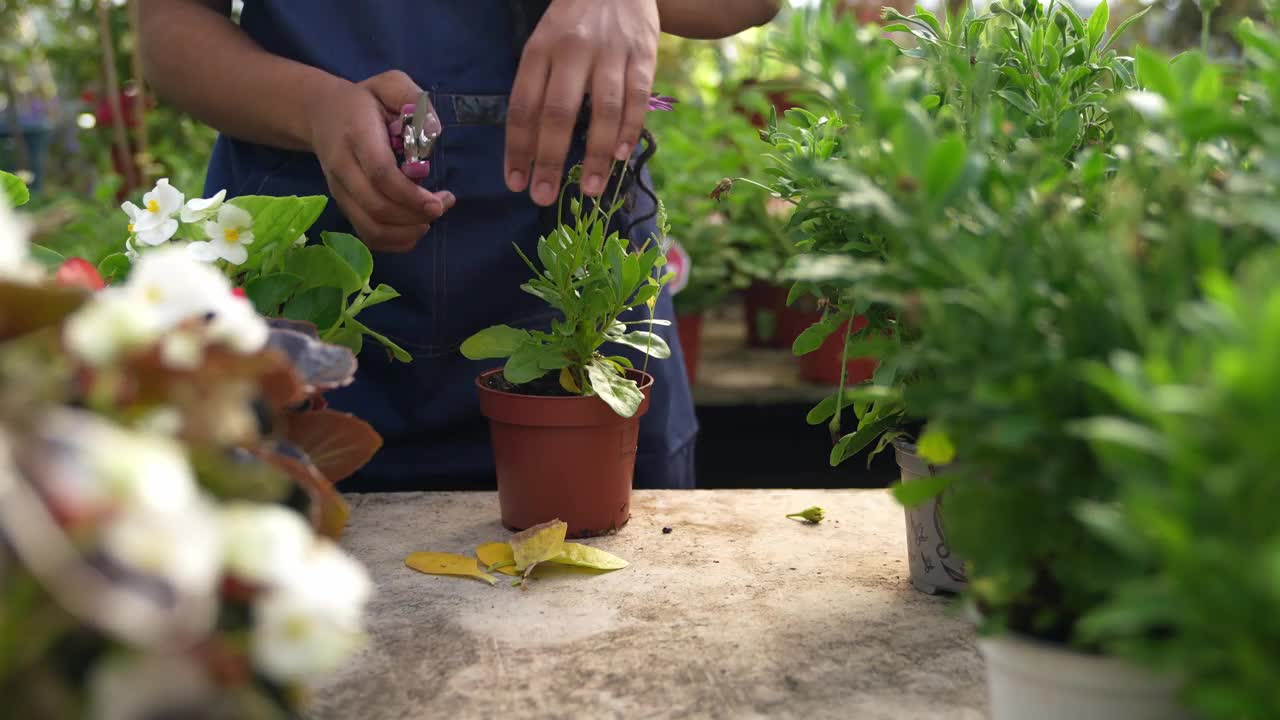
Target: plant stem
(844, 377)
(1205, 17)
(111, 79)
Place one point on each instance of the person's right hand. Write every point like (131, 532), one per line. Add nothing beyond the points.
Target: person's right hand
(389, 211)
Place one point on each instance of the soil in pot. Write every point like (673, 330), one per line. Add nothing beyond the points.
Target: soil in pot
(1032, 679)
(689, 328)
(561, 456)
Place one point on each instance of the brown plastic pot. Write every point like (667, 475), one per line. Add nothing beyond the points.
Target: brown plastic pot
(689, 328)
(822, 366)
(571, 458)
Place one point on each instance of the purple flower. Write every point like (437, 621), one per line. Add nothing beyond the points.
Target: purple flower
(662, 102)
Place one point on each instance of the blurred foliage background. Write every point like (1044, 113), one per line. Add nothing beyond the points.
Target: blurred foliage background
(78, 123)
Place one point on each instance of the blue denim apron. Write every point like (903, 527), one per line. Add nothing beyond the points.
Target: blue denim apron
(464, 275)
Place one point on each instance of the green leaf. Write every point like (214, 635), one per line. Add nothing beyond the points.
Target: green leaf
(1208, 86)
(396, 351)
(815, 335)
(12, 187)
(823, 411)
(935, 447)
(619, 393)
(646, 342)
(1154, 74)
(114, 267)
(348, 336)
(50, 259)
(320, 266)
(524, 364)
(1019, 101)
(269, 292)
(499, 341)
(1122, 27)
(380, 294)
(945, 166)
(353, 252)
(920, 490)
(321, 306)
(854, 442)
(278, 221)
(1120, 432)
(1098, 22)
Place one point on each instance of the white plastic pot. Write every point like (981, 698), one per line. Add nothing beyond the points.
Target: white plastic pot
(1030, 680)
(934, 568)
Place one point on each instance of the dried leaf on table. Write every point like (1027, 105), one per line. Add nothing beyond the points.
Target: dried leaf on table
(433, 563)
(498, 556)
(588, 557)
(538, 544)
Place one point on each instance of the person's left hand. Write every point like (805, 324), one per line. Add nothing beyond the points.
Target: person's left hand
(608, 48)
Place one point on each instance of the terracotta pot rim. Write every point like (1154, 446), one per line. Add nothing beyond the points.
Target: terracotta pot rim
(643, 379)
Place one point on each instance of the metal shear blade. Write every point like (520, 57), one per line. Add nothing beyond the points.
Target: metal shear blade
(421, 131)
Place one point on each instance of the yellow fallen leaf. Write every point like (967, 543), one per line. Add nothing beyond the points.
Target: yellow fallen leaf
(538, 544)
(433, 563)
(588, 557)
(498, 556)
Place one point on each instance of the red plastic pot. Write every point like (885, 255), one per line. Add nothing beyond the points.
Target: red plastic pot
(689, 328)
(763, 306)
(571, 458)
(822, 366)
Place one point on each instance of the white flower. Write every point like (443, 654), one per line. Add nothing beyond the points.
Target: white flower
(128, 470)
(107, 327)
(198, 209)
(263, 544)
(165, 421)
(183, 547)
(130, 687)
(182, 349)
(166, 289)
(311, 623)
(1150, 105)
(153, 223)
(229, 236)
(301, 241)
(239, 326)
(15, 248)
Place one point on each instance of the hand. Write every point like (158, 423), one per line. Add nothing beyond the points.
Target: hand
(389, 212)
(608, 48)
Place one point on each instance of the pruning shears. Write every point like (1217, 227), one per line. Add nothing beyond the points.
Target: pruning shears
(414, 135)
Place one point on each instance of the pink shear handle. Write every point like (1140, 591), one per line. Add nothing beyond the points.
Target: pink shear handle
(416, 170)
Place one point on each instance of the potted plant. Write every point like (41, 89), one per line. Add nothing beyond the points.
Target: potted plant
(158, 439)
(929, 119)
(1045, 271)
(564, 416)
(259, 243)
(1195, 497)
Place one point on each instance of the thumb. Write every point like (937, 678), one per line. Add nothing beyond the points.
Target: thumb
(394, 89)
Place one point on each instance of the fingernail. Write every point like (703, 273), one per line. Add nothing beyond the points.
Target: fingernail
(593, 185)
(623, 153)
(544, 194)
(515, 181)
(448, 199)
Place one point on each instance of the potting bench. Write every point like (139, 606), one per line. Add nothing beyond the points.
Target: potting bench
(737, 612)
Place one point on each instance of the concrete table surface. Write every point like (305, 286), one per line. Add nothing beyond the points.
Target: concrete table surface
(737, 613)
